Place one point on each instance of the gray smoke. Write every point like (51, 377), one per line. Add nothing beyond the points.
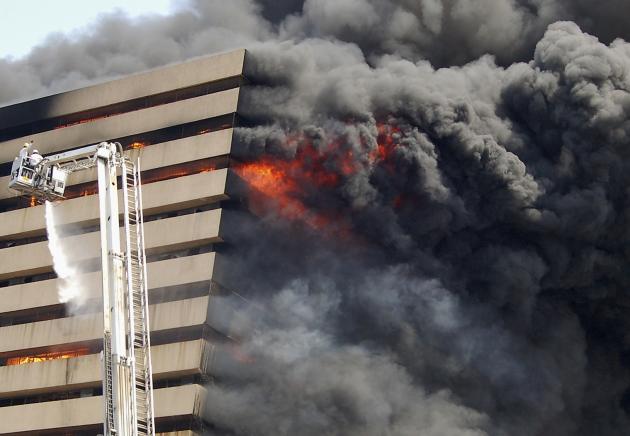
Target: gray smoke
(445, 32)
(302, 380)
(451, 31)
(499, 276)
(469, 282)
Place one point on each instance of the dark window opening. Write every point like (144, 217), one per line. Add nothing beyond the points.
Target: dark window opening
(52, 396)
(156, 175)
(44, 313)
(117, 108)
(27, 279)
(92, 265)
(158, 136)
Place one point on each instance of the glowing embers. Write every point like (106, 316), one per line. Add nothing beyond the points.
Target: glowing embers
(43, 357)
(137, 144)
(185, 169)
(387, 140)
(82, 190)
(239, 354)
(280, 182)
(85, 120)
(315, 175)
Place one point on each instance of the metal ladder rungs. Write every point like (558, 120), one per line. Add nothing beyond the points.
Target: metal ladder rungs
(137, 298)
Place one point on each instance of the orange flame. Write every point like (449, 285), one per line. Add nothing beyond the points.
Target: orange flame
(137, 144)
(85, 120)
(187, 169)
(288, 183)
(387, 141)
(240, 355)
(42, 357)
(278, 181)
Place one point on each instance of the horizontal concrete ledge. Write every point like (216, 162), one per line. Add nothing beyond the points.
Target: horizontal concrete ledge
(83, 328)
(179, 433)
(162, 274)
(131, 123)
(207, 145)
(170, 360)
(176, 401)
(163, 235)
(165, 196)
(182, 75)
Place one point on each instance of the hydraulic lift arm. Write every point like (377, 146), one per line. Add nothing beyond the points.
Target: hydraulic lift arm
(127, 375)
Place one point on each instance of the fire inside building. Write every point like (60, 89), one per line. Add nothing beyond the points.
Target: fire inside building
(179, 122)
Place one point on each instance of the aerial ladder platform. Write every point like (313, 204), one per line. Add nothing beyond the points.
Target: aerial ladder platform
(127, 373)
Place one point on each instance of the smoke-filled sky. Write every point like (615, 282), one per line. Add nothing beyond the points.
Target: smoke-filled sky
(443, 247)
(29, 22)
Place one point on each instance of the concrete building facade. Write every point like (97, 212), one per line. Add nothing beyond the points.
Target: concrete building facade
(179, 120)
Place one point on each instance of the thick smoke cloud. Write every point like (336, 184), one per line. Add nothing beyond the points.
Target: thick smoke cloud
(498, 276)
(117, 45)
(445, 32)
(472, 280)
(302, 381)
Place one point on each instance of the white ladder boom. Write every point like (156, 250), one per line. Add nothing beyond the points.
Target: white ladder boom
(138, 309)
(127, 372)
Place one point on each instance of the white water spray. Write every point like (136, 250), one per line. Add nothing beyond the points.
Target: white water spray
(69, 287)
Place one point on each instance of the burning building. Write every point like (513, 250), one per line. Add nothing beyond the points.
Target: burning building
(442, 239)
(179, 121)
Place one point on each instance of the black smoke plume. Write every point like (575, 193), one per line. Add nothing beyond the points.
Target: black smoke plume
(461, 269)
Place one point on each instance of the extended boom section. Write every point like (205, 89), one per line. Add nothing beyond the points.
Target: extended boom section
(127, 380)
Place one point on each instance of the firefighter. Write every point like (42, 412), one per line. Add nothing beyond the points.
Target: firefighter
(36, 158)
(24, 151)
